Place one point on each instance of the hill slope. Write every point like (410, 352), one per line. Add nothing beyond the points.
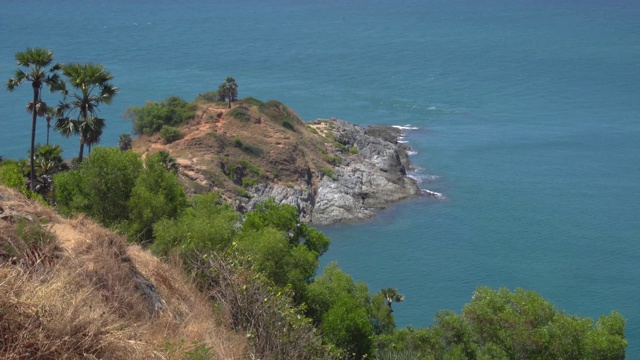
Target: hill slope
(329, 169)
(72, 289)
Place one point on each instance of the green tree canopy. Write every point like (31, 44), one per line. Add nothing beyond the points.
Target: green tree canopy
(520, 324)
(156, 195)
(342, 309)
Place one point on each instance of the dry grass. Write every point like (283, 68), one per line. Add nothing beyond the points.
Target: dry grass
(96, 297)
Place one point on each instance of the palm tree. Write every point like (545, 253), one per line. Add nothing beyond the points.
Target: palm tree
(92, 83)
(50, 114)
(391, 295)
(229, 90)
(38, 62)
(124, 142)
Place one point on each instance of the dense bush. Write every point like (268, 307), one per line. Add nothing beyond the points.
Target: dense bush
(11, 175)
(170, 134)
(101, 186)
(240, 114)
(153, 116)
(207, 226)
(114, 188)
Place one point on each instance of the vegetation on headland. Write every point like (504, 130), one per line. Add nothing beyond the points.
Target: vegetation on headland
(74, 289)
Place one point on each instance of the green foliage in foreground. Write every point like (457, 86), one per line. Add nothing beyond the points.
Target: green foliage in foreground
(151, 117)
(11, 175)
(114, 188)
(500, 324)
(101, 186)
(342, 309)
(156, 195)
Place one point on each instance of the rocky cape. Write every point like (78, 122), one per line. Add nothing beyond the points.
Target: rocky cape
(330, 170)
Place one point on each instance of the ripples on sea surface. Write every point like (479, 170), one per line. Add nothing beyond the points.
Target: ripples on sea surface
(527, 115)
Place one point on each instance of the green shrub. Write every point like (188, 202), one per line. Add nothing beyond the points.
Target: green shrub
(340, 146)
(353, 150)
(151, 117)
(332, 159)
(247, 147)
(240, 114)
(209, 97)
(237, 172)
(251, 101)
(170, 134)
(248, 182)
(208, 225)
(32, 232)
(326, 171)
(11, 176)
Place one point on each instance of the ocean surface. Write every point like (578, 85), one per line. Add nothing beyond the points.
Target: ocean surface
(527, 117)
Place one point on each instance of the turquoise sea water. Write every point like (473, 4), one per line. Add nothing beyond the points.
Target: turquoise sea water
(527, 115)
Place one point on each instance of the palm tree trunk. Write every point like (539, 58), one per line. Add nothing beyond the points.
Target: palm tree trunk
(36, 95)
(48, 127)
(81, 151)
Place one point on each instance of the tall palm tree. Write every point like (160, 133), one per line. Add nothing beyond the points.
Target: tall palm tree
(40, 72)
(93, 87)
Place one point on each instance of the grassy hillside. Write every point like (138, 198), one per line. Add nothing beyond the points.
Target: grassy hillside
(71, 289)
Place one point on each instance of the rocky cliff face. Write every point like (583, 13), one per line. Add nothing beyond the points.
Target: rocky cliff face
(365, 179)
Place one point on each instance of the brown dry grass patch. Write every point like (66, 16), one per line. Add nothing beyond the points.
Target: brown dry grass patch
(96, 297)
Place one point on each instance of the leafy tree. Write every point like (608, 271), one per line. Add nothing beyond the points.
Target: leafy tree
(156, 195)
(286, 250)
(228, 90)
(151, 117)
(92, 83)
(341, 307)
(382, 319)
(100, 187)
(40, 72)
(284, 217)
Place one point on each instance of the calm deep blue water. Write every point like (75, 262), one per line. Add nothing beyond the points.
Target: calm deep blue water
(527, 116)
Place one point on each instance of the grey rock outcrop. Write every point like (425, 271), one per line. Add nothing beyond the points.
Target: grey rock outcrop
(364, 181)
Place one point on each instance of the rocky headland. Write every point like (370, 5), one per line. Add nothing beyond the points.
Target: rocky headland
(329, 169)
